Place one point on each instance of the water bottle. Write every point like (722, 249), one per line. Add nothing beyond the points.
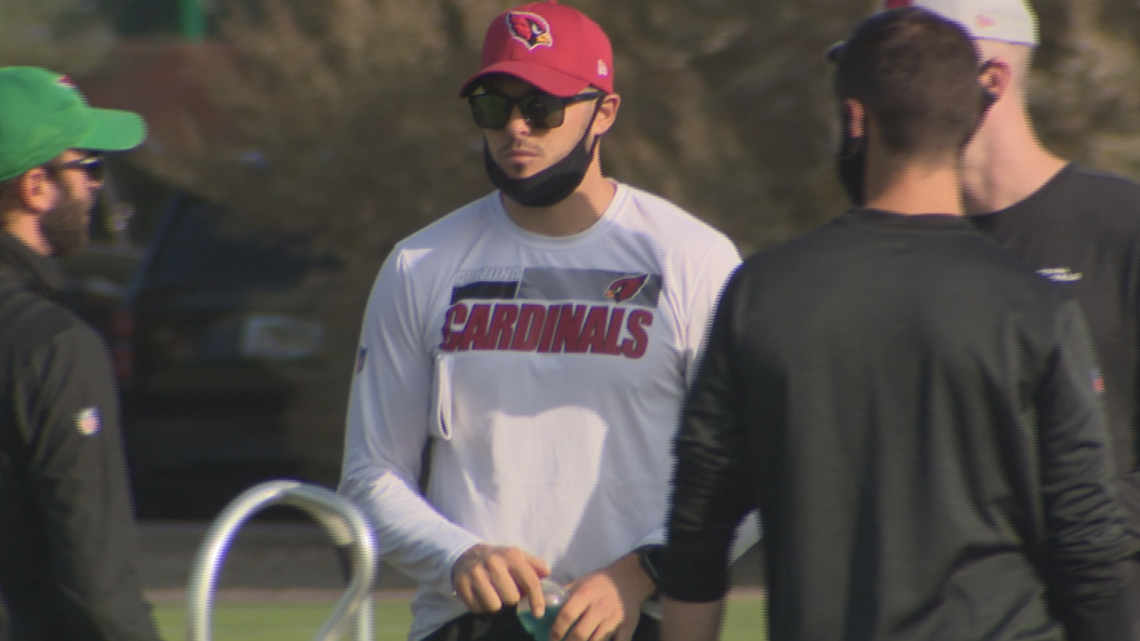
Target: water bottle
(555, 596)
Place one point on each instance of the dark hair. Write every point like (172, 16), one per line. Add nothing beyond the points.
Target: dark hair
(916, 74)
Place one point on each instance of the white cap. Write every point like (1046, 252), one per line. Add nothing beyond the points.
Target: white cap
(1010, 21)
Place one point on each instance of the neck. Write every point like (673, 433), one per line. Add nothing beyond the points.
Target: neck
(25, 228)
(1006, 163)
(914, 189)
(574, 215)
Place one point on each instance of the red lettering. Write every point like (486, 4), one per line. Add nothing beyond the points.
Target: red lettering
(475, 332)
(613, 333)
(594, 330)
(502, 326)
(552, 314)
(568, 338)
(457, 315)
(635, 346)
(529, 328)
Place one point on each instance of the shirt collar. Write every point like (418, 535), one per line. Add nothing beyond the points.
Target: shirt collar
(35, 273)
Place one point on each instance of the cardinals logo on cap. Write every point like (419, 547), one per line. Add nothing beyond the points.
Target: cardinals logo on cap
(530, 29)
(624, 289)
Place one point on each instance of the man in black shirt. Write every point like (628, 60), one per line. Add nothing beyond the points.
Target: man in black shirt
(914, 412)
(67, 535)
(1076, 226)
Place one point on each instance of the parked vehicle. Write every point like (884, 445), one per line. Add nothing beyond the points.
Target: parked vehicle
(203, 323)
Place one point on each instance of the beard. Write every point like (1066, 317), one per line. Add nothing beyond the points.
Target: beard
(66, 226)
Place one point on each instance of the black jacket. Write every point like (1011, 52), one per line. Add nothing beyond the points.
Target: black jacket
(67, 537)
(918, 418)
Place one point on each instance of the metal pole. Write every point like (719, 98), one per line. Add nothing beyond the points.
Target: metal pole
(342, 521)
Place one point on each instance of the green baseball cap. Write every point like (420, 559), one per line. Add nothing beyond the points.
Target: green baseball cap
(42, 114)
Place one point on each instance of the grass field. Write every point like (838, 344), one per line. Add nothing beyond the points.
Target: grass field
(299, 620)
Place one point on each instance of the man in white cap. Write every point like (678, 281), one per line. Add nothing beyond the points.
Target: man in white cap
(1076, 226)
(910, 409)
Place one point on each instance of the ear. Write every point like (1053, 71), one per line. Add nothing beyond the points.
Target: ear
(996, 77)
(854, 119)
(607, 114)
(36, 191)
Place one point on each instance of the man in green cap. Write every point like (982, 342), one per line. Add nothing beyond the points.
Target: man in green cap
(67, 536)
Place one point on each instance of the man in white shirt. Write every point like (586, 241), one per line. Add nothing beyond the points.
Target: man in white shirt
(542, 338)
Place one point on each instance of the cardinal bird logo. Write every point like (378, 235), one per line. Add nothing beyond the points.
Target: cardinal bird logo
(899, 4)
(624, 289)
(530, 29)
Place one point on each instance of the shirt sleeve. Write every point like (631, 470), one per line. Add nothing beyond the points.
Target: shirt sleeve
(710, 496)
(720, 261)
(1088, 545)
(79, 479)
(387, 429)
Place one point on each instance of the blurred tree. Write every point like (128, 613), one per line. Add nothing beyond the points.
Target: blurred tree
(346, 127)
(1085, 94)
(64, 35)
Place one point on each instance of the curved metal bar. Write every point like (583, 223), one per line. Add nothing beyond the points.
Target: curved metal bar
(342, 521)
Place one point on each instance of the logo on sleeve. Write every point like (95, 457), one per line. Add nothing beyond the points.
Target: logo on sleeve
(87, 421)
(530, 29)
(1060, 274)
(361, 357)
(1097, 381)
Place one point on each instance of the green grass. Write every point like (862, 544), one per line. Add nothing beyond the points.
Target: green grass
(295, 620)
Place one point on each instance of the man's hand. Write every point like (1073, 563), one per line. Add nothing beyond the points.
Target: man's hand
(486, 578)
(605, 604)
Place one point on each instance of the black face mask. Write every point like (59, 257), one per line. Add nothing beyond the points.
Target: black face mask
(851, 161)
(551, 185)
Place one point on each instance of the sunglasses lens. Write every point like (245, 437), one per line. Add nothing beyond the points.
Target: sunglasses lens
(543, 110)
(96, 169)
(491, 111)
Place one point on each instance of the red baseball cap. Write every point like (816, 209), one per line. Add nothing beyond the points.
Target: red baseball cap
(551, 46)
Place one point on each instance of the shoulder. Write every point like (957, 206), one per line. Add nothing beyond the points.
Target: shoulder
(443, 238)
(1111, 199)
(669, 220)
(36, 326)
(1113, 184)
(674, 229)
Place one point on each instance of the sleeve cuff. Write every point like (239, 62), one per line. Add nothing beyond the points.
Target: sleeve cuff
(444, 586)
(695, 576)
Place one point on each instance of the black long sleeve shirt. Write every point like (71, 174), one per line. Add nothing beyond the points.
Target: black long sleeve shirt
(67, 537)
(917, 416)
(1082, 231)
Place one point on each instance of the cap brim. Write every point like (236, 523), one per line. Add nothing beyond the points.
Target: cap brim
(113, 130)
(552, 81)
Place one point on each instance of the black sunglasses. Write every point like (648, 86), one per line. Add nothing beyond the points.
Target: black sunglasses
(492, 110)
(94, 166)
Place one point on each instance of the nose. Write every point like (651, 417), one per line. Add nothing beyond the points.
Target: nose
(516, 124)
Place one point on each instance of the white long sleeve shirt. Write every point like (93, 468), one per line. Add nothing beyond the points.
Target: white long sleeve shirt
(551, 373)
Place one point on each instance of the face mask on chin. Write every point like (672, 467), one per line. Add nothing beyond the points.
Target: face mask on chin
(65, 226)
(551, 185)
